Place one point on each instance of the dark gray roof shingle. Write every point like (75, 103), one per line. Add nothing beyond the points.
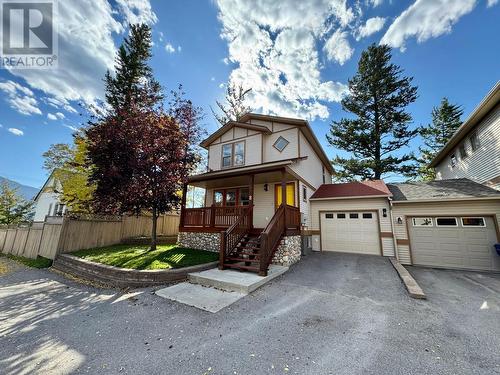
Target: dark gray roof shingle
(441, 189)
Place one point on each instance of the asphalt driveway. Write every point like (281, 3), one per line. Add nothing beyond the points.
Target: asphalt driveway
(330, 314)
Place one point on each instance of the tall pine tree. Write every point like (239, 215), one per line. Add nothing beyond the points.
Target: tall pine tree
(446, 119)
(378, 97)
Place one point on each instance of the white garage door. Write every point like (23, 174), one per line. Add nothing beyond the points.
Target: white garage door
(350, 232)
(454, 242)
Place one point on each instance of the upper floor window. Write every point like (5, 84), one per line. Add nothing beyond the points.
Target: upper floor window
(474, 141)
(280, 144)
(304, 193)
(453, 160)
(463, 151)
(233, 154)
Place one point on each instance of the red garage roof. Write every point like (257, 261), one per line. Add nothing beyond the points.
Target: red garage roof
(352, 189)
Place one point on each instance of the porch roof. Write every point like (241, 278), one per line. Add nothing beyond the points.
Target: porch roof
(264, 173)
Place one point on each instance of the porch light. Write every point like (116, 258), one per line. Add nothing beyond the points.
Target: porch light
(266, 187)
(384, 212)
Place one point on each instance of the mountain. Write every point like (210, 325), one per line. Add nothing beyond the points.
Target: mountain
(28, 192)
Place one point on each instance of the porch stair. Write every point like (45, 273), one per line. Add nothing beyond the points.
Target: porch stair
(246, 255)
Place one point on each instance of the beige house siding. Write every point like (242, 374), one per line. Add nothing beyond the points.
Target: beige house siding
(291, 150)
(456, 208)
(483, 164)
(310, 169)
(356, 204)
(253, 147)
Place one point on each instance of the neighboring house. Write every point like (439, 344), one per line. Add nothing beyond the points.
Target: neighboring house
(474, 150)
(261, 161)
(47, 201)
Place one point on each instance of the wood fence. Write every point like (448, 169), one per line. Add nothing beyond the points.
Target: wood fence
(64, 235)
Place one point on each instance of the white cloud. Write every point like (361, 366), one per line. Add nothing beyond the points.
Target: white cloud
(221, 85)
(137, 11)
(491, 3)
(169, 48)
(20, 98)
(375, 3)
(51, 116)
(275, 47)
(86, 31)
(179, 48)
(15, 131)
(56, 116)
(371, 26)
(426, 19)
(337, 47)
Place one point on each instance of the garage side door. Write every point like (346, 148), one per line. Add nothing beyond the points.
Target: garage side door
(350, 232)
(454, 246)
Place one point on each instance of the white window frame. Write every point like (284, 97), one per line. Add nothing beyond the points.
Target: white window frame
(421, 225)
(473, 226)
(453, 160)
(474, 145)
(447, 217)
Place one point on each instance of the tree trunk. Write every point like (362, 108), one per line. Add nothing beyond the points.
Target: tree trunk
(153, 232)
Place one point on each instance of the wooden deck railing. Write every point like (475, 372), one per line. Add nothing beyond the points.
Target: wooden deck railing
(233, 235)
(212, 217)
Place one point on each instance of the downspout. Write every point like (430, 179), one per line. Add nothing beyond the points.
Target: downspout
(393, 232)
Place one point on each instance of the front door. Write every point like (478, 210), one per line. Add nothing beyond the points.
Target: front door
(290, 195)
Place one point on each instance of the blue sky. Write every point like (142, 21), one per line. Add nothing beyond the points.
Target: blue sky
(296, 55)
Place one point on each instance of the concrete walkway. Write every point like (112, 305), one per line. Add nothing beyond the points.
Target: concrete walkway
(214, 289)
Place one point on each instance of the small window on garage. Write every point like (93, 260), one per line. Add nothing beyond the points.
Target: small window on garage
(353, 216)
(446, 222)
(340, 216)
(329, 216)
(422, 222)
(367, 215)
(473, 222)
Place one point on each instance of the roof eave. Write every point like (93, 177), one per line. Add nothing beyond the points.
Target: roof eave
(485, 106)
(350, 197)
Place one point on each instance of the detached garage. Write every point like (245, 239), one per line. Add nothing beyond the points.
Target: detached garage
(443, 224)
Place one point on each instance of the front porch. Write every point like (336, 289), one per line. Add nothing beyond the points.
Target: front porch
(246, 216)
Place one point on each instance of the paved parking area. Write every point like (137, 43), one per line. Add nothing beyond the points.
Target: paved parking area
(330, 314)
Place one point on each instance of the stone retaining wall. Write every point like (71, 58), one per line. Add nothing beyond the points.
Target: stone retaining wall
(200, 240)
(288, 251)
(122, 277)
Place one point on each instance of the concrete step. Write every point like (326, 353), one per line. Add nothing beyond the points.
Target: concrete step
(235, 281)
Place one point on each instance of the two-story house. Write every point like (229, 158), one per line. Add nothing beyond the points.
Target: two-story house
(255, 165)
(474, 150)
(268, 190)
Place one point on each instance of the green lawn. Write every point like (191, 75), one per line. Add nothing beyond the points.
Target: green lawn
(139, 258)
(39, 262)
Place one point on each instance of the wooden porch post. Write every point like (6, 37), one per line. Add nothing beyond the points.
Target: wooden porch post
(251, 192)
(283, 191)
(183, 203)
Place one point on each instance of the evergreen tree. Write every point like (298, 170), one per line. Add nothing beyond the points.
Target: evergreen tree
(234, 107)
(133, 81)
(13, 207)
(378, 97)
(446, 119)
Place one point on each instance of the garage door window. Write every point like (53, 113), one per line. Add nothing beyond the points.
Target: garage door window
(446, 222)
(329, 216)
(367, 216)
(422, 222)
(473, 222)
(353, 216)
(340, 216)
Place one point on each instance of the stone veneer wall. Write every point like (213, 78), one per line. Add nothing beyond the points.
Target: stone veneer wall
(199, 240)
(288, 252)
